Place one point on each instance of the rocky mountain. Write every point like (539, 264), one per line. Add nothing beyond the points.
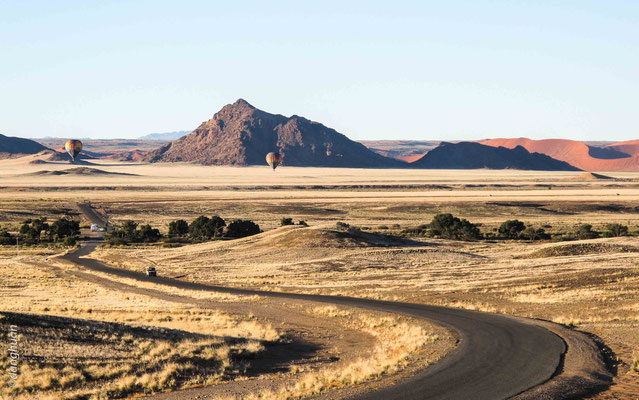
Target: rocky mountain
(240, 134)
(471, 155)
(622, 156)
(14, 146)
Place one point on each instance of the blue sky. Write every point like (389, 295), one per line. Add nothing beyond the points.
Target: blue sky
(372, 70)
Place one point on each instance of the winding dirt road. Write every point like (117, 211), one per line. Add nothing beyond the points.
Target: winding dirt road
(498, 357)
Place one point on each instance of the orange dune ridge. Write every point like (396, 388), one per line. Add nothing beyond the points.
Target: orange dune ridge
(576, 153)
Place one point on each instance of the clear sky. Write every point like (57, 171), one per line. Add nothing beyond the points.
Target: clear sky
(448, 69)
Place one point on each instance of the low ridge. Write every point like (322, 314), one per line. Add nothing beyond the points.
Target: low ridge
(471, 155)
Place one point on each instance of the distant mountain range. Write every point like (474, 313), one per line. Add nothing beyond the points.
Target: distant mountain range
(165, 136)
(240, 134)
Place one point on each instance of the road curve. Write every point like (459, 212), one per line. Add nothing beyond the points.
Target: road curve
(498, 357)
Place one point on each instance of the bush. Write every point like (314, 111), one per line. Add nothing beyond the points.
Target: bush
(286, 221)
(242, 228)
(342, 225)
(531, 233)
(205, 228)
(69, 241)
(614, 230)
(128, 232)
(421, 230)
(584, 231)
(511, 229)
(178, 228)
(147, 234)
(302, 223)
(32, 229)
(449, 227)
(65, 228)
(6, 238)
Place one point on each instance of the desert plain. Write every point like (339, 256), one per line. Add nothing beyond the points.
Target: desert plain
(86, 334)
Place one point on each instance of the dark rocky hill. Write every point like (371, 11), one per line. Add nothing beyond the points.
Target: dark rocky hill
(240, 134)
(470, 155)
(14, 146)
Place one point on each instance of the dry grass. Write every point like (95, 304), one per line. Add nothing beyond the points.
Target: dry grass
(397, 339)
(123, 359)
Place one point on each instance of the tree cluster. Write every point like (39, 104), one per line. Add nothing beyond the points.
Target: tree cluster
(38, 230)
(130, 232)
(204, 228)
(200, 229)
(516, 229)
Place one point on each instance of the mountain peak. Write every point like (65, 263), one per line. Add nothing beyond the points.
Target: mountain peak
(241, 103)
(240, 134)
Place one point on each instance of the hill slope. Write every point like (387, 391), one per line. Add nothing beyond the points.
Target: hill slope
(10, 146)
(240, 134)
(471, 155)
(616, 157)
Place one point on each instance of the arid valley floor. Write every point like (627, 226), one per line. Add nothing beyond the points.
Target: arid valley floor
(85, 333)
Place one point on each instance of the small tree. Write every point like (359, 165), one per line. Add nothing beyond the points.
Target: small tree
(614, 230)
(178, 228)
(242, 228)
(6, 238)
(531, 233)
(511, 229)
(201, 228)
(449, 227)
(584, 231)
(302, 223)
(148, 234)
(286, 221)
(64, 228)
(218, 224)
(129, 231)
(31, 229)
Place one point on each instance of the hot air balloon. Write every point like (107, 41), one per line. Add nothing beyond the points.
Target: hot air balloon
(273, 159)
(73, 147)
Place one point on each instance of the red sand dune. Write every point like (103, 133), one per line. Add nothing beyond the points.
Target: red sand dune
(629, 147)
(575, 153)
(410, 159)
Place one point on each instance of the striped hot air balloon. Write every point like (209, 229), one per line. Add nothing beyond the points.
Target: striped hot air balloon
(273, 159)
(73, 147)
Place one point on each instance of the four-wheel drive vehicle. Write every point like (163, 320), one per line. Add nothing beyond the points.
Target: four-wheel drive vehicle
(150, 271)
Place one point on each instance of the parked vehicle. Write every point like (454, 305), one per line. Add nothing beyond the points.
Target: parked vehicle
(150, 271)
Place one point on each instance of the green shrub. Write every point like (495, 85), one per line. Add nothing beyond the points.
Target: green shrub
(286, 221)
(147, 234)
(511, 229)
(614, 230)
(6, 238)
(178, 228)
(531, 233)
(64, 228)
(205, 228)
(584, 231)
(242, 228)
(302, 223)
(449, 227)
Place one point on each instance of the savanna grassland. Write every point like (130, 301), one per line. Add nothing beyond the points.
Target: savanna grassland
(588, 284)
